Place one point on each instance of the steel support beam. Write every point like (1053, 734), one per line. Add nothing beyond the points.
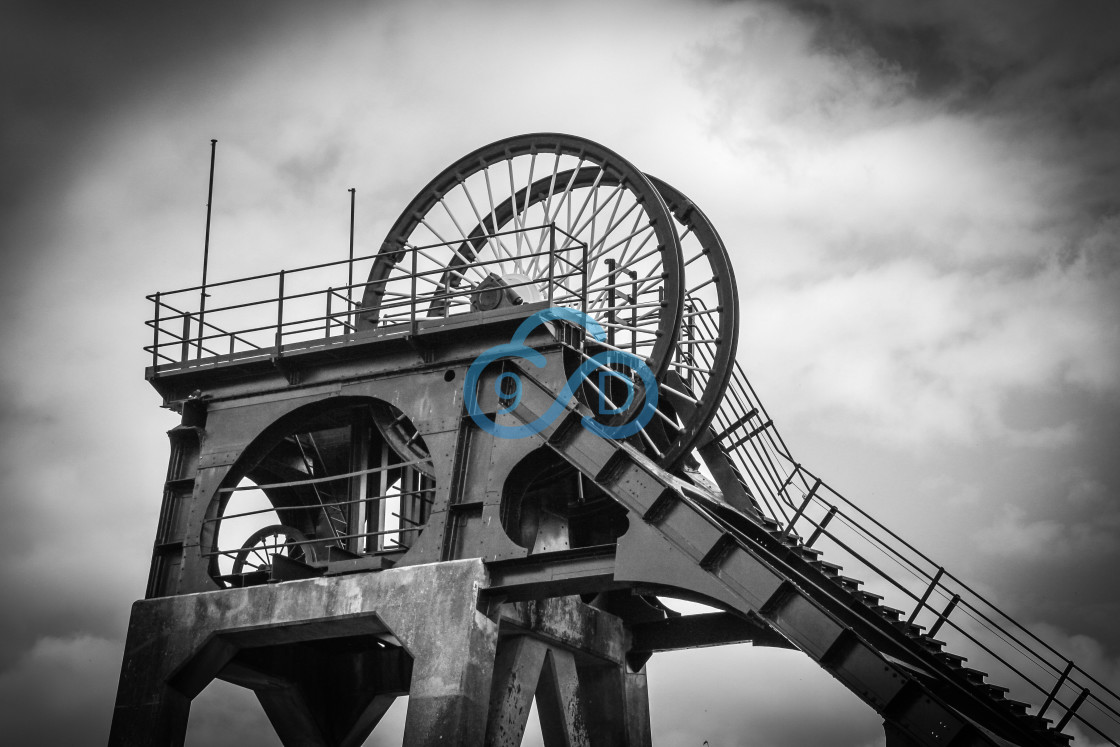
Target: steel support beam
(709, 629)
(557, 574)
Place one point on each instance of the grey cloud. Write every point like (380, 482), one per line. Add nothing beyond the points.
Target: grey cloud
(1039, 65)
(113, 107)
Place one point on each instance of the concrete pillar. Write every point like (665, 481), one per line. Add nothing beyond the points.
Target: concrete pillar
(517, 671)
(527, 668)
(453, 662)
(560, 702)
(177, 645)
(617, 703)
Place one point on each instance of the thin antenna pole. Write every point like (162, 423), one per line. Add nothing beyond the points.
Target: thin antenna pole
(206, 251)
(350, 264)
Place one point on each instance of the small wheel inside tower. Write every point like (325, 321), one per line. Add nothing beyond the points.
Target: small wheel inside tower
(263, 545)
(328, 485)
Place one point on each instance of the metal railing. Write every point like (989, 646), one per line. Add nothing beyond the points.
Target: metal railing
(268, 315)
(1013, 656)
(414, 506)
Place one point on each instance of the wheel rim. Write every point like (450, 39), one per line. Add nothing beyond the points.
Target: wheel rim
(257, 550)
(522, 185)
(704, 355)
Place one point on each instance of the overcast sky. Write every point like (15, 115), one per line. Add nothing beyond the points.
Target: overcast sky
(922, 202)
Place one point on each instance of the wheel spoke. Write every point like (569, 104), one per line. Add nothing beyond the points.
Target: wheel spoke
(532, 188)
(547, 205)
(517, 223)
(494, 219)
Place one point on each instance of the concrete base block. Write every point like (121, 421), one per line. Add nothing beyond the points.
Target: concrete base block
(178, 645)
(327, 656)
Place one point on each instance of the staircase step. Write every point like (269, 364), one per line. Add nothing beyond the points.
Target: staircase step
(889, 613)
(789, 540)
(851, 584)
(995, 692)
(1059, 737)
(769, 524)
(975, 676)
(809, 553)
(829, 569)
(1018, 707)
(954, 660)
(930, 644)
(914, 630)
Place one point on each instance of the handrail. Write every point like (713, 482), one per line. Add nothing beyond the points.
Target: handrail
(561, 277)
(766, 467)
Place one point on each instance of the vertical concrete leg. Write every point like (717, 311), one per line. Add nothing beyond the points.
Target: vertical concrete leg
(636, 693)
(617, 706)
(559, 702)
(157, 717)
(517, 670)
(451, 673)
(149, 710)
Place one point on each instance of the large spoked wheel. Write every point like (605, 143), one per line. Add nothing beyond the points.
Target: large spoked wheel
(542, 217)
(257, 551)
(704, 356)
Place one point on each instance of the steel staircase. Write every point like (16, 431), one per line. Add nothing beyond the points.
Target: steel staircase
(1037, 672)
(758, 561)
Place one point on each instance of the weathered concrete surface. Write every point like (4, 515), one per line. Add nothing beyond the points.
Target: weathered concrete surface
(560, 702)
(617, 703)
(517, 670)
(572, 659)
(569, 623)
(176, 645)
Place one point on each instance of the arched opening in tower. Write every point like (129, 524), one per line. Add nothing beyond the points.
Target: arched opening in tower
(547, 506)
(332, 483)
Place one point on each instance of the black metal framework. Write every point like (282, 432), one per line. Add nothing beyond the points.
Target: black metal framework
(353, 486)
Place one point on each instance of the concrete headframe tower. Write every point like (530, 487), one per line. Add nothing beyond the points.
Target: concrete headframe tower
(472, 474)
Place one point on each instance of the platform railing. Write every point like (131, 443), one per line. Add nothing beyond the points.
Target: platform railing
(268, 315)
(924, 591)
(420, 494)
